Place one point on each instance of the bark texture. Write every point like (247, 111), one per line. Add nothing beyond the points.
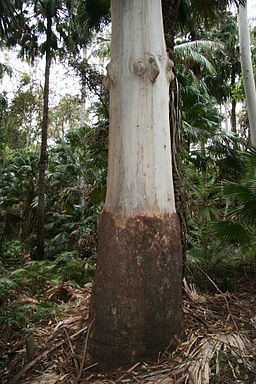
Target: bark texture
(136, 299)
(136, 305)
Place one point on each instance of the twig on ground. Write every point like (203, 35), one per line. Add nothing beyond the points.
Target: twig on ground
(72, 350)
(223, 295)
(129, 370)
(85, 350)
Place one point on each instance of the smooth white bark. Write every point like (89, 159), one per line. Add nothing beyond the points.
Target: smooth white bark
(139, 171)
(247, 70)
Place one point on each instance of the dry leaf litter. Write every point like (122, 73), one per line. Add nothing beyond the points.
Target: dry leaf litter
(219, 346)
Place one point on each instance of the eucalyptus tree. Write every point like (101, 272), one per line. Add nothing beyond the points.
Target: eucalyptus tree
(247, 70)
(136, 309)
(139, 252)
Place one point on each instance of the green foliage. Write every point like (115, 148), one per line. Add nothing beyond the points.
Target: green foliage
(18, 315)
(7, 288)
(93, 13)
(11, 250)
(200, 115)
(34, 275)
(237, 89)
(240, 221)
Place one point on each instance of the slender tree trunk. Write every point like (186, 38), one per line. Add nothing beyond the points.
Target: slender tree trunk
(137, 294)
(233, 116)
(170, 15)
(247, 70)
(226, 115)
(29, 128)
(63, 129)
(204, 173)
(233, 104)
(43, 156)
(83, 92)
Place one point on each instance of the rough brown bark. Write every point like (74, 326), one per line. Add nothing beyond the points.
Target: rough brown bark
(136, 289)
(43, 155)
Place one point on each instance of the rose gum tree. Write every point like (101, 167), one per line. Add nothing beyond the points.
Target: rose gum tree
(136, 309)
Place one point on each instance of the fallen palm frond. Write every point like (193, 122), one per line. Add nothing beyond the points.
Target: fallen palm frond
(192, 293)
(209, 353)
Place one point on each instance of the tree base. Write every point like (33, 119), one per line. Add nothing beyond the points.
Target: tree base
(137, 292)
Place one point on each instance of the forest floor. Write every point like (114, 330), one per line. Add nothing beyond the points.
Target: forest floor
(219, 345)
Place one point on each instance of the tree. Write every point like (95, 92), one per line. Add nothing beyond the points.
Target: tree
(136, 309)
(21, 122)
(247, 70)
(49, 11)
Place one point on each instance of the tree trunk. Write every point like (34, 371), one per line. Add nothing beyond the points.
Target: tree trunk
(83, 91)
(43, 156)
(233, 116)
(136, 304)
(247, 70)
(226, 115)
(170, 15)
(233, 103)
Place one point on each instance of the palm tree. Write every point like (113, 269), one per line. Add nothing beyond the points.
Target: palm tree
(48, 13)
(48, 9)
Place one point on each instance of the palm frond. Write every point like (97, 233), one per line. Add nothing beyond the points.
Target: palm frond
(243, 193)
(195, 52)
(195, 133)
(233, 232)
(250, 158)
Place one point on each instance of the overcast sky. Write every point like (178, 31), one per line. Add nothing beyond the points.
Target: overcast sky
(251, 4)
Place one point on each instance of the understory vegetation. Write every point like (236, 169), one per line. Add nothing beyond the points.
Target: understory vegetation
(217, 171)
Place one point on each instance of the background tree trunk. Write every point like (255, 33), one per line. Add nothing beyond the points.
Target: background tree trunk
(233, 117)
(233, 104)
(137, 293)
(170, 15)
(43, 156)
(83, 92)
(247, 70)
